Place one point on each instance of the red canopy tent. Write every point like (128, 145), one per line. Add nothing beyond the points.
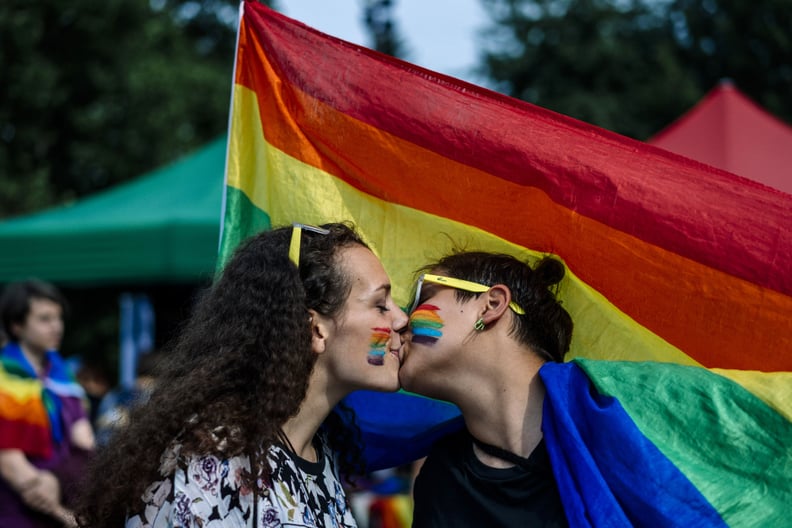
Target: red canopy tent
(729, 131)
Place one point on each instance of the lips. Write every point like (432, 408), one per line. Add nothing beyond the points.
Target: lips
(405, 351)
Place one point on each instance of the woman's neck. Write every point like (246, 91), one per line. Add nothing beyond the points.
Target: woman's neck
(302, 427)
(35, 357)
(506, 408)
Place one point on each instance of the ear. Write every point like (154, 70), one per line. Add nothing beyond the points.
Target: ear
(319, 332)
(497, 300)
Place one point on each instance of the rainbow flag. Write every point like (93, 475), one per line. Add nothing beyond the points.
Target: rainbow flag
(30, 407)
(668, 261)
(646, 444)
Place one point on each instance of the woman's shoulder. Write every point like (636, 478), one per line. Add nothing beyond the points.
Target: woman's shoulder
(211, 473)
(195, 488)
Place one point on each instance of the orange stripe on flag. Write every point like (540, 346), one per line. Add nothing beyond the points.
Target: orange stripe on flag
(643, 280)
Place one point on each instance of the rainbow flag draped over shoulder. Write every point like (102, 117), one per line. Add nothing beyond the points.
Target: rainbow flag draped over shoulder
(668, 260)
(30, 407)
(646, 444)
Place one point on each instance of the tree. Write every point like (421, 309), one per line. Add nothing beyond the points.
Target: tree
(749, 42)
(382, 28)
(97, 91)
(633, 66)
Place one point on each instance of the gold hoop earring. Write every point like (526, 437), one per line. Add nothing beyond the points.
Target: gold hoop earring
(479, 325)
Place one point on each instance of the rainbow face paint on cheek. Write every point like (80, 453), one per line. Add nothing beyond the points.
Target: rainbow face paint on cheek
(379, 342)
(426, 324)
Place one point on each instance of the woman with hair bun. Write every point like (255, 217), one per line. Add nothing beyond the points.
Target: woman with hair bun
(586, 442)
(481, 327)
(241, 428)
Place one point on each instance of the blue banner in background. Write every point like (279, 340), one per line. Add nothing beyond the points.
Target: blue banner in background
(136, 331)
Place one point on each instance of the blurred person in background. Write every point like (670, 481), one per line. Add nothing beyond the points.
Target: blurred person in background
(95, 382)
(113, 411)
(45, 435)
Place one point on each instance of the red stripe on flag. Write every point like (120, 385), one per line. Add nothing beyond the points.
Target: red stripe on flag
(658, 288)
(682, 206)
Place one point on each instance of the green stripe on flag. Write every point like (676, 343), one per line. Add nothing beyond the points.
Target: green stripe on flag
(242, 219)
(722, 437)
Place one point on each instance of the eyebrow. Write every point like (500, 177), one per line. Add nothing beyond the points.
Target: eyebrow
(384, 288)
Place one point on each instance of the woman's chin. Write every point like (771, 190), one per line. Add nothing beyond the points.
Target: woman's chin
(389, 384)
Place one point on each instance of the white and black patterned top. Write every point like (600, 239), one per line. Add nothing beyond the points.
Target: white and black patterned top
(208, 492)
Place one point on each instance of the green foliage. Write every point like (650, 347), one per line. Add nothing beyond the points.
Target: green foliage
(632, 66)
(748, 41)
(95, 92)
(382, 28)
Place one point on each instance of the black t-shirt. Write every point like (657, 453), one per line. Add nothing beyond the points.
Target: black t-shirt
(454, 488)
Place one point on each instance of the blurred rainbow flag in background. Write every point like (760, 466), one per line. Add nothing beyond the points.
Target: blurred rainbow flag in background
(668, 260)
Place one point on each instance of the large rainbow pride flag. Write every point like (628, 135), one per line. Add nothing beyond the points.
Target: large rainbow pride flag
(670, 263)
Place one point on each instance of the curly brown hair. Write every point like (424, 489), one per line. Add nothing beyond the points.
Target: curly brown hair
(239, 369)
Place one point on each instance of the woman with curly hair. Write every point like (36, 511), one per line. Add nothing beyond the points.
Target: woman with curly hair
(241, 429)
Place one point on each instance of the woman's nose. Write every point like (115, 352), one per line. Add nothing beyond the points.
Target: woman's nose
(400, 320)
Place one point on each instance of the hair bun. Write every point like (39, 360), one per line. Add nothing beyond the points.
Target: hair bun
(548, 272)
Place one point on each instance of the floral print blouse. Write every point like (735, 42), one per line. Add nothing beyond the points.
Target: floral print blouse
(208, 492)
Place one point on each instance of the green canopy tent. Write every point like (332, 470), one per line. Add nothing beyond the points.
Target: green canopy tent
(161, 227)
(157, 234)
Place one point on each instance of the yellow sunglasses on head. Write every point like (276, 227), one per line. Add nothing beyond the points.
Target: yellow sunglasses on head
(459, 284)
(296, 237)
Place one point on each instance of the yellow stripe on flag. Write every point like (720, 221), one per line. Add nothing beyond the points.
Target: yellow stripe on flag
(291, 191)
